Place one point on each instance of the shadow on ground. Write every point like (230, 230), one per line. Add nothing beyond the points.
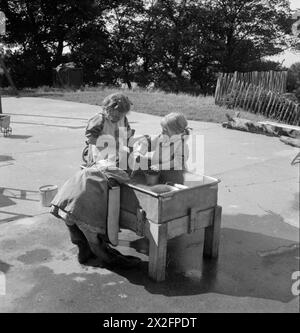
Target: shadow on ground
(19, 136)
(12, 216)
(5, 201)
(295, 204)
(240, 270)
(5, 158)
(17, 193)
(4, 267)
(7, 195)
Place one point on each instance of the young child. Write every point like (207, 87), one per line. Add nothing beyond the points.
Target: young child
(170, 149)
(108, 122)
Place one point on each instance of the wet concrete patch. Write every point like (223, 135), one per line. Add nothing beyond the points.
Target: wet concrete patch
(240, 270)
(54, 292)
(240, 277)
(5, 158)
(269, 224)
(41, 232)
(4, 267)
(8, 244)
(35, 256)
(5, 201)
(66, 263)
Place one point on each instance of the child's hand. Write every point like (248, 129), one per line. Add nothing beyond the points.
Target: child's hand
(137, 140)
(154, 168)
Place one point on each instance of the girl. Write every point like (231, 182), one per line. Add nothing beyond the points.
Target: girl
(108, 122)
(82, 200)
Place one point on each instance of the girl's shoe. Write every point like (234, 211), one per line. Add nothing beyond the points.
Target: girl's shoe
(84, 253)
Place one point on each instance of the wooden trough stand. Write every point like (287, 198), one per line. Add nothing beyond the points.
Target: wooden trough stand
(160, 217)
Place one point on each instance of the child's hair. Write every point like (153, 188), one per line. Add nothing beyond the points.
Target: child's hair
(117, 101)
(176, 122)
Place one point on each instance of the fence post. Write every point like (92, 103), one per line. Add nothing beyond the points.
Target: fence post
(249, 101)
(238, 94)
(269, 102)
(297, 119)
(258, 100)
(253, 99)
(273, 104)
(291, 117)
(217, 91)
(286, 110)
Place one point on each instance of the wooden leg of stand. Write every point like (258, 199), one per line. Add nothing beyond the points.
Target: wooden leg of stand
(157, 251)
(212, 235)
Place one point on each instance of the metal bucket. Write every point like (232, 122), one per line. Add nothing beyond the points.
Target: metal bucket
(48, 193)
(152, 178)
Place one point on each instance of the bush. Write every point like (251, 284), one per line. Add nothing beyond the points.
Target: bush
(293, 80)
(27, 71)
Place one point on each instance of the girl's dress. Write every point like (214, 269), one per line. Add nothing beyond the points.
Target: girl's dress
(82, 200)
(100, 125)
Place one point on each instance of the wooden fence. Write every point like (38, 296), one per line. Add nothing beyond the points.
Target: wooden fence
(238, 90)
(271, 80)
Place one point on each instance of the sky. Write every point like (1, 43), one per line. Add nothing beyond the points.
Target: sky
(289, 57)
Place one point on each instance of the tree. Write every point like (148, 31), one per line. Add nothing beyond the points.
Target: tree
(177, 33)
(121, 22)
(90, 50)
(41, 30)
(179, 45)
(243, 31)
(296, 28)
(184, 43)
(293, 80)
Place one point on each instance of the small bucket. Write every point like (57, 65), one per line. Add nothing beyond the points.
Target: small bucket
(152, 178)
(48, 193)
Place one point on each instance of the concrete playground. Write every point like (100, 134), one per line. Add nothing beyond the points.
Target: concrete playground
(259, 249)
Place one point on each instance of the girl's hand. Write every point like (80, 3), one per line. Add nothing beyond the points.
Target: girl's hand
(137, 139)
(154, 168)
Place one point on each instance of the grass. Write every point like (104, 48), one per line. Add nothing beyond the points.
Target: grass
(151, 102)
